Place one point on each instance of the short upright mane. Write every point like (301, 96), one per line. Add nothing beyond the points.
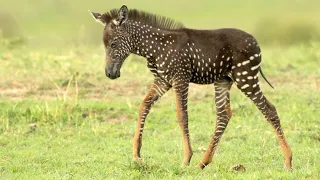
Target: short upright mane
(146, 18)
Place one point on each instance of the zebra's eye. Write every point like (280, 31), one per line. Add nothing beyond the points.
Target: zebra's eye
(114, 44)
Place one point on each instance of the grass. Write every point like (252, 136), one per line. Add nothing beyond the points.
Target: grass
(60, 118)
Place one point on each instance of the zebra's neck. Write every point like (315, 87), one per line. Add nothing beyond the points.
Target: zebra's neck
(151, 42)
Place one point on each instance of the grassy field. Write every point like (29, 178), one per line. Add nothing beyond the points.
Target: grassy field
(61, 118)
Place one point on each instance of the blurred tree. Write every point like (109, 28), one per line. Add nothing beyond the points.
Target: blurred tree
(8, 26)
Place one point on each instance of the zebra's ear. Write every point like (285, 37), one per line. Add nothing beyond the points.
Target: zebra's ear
(123, 14)
(98, 17)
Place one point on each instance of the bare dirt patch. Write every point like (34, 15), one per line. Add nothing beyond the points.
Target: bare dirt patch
(14, 92)
(116, 120)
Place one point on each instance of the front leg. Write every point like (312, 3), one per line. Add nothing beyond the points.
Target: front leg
(158, 88)
(181, 91)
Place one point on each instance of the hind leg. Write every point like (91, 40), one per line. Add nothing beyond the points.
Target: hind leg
(250, 87)
(222, 99)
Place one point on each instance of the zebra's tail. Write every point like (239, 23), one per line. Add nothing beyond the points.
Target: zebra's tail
(265, 77)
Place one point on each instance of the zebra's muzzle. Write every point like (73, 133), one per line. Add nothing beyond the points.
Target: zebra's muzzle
(112, 70)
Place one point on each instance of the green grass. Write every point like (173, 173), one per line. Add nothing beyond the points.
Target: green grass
(60, 118)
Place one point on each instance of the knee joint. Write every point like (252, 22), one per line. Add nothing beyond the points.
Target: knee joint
(150, 101)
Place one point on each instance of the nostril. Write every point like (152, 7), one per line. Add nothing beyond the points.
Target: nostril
(118, 73)
(109, 75)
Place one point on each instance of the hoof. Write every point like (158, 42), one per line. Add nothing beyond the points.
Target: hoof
(185, 164)
(287, 166)
(138, 160)
(201, 165)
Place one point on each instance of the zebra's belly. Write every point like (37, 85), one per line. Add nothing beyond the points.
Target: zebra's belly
(208, 77)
